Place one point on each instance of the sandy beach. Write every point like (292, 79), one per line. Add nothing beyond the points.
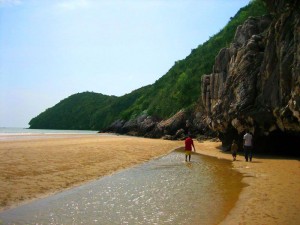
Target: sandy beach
(36, 168)
(272, 192)
(39, 167)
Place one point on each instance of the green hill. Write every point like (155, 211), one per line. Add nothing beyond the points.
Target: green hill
(179, 88)
(74, 112)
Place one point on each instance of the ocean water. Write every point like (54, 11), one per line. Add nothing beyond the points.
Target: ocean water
(166, 190)
(24, 131)
(12, 133)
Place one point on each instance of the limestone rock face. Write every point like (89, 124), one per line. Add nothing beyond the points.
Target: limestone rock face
(173, 128)
(137, 127)
(255, 83)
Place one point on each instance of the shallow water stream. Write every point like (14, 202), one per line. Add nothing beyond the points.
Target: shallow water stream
(166, 190)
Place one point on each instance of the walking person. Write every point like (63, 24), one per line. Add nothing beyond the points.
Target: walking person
(234, 149)
(248, 145)
(189, 143)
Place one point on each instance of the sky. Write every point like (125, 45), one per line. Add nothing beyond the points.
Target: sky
(51, 49)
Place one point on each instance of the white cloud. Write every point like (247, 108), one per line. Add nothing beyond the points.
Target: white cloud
(73, 4)
(9, 2)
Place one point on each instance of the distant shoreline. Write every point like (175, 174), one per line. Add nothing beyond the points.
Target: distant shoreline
(15, 133)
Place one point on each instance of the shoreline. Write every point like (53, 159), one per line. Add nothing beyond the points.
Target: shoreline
(63, 162)
(270, 197)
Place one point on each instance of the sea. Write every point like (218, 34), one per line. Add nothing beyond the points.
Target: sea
(16, 133)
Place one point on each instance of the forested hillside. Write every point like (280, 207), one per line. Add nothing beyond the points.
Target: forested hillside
(179, 88)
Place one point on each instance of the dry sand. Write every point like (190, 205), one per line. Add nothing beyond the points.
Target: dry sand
(36, 168)
(32, 169)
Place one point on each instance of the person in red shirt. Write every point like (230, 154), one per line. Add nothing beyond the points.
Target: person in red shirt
(189, 143)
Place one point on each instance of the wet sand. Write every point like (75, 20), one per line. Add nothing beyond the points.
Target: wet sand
(165, 190)
(273, 192)
(36, 168)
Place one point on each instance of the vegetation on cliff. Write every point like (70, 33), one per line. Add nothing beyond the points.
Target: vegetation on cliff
(179, 88)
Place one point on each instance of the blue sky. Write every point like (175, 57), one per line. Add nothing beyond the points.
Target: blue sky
(51, 49)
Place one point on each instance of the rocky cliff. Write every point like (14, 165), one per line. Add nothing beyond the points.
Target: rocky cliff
(255, 83)
(173, 128)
